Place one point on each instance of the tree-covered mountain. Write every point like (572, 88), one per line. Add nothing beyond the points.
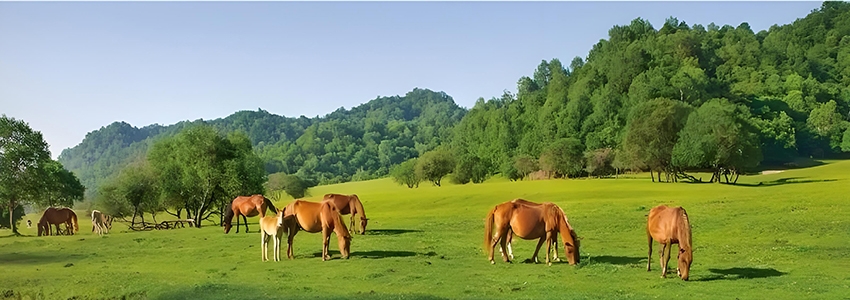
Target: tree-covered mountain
(789, 86)
(360, 143)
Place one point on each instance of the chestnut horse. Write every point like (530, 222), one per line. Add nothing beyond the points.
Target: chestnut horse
(246, 206)
(315, 217)
(510, 235)
(542, 221)
(272, 227)
(349, 204)
(668, 226)
(57, 216)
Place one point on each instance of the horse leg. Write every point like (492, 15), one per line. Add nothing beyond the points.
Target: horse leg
(548, 246)
(510, 238)
(237, 223)
(665, 258)
(292, 231)
(555, 245)
(649, 254)
(244, 218)
(503, 240)
(537, 250)
(277, 247)
(326, 240)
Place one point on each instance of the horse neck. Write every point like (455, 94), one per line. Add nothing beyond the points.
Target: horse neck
(566, 229)
(359, 207)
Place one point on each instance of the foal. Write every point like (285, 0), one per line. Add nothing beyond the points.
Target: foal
(272, 227)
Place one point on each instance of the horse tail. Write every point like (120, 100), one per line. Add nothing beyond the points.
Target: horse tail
(74, 220)
(269, 204)
(488, 228)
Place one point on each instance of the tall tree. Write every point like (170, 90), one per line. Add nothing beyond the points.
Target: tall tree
(652, 131)
(23, 155)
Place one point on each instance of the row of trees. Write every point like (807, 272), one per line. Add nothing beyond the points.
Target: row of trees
(28, 175)
(197, 171)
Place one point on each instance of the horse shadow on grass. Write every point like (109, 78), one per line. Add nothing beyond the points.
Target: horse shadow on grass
(390, 231)
(375, 254)
(741, 273)
(615, 260)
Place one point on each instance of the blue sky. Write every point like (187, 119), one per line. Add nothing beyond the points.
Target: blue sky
(71, 68)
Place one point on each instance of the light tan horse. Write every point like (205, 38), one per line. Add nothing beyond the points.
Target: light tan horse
(668, 226)
(101, 223)
(314, 217)
(272, 227)
(528, 222)
(57, 216)
(349, 204)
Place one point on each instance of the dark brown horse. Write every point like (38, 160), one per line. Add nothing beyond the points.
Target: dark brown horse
(57, 216)
(542, 221)
(314, 217)
(349, 204)
(668, 226)
(246, 206)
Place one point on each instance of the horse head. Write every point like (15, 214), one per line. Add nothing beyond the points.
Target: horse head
(363, 221)
(344, 245)
(571, 248)
(685, 259)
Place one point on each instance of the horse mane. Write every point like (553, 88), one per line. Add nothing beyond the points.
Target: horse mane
(685, 231)
(228, 214)
(267, 202)
(359, 206)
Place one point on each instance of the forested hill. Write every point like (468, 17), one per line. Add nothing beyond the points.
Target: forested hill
(359, 143)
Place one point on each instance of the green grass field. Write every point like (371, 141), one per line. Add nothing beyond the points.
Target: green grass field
(788, 238)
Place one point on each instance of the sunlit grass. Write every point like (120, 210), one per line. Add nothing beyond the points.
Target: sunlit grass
(786, 238)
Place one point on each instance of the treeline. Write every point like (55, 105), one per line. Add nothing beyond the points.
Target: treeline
(671, 100)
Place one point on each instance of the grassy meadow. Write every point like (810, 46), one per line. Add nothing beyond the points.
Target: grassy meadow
(788, 238)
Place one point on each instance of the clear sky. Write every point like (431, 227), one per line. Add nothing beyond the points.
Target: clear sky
(71, 68)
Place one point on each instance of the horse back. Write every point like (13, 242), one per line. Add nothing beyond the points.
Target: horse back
(663, 223)
(342, 202)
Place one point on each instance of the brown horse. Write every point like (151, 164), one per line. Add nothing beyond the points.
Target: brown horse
(57, 216)
(315, 217)
(246, 206)
(668, 226)
(542, 221)
(349, 204)
(510, 235)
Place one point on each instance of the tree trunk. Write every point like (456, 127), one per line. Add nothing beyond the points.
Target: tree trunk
(652, 175)
(736, 178)
(12, 205)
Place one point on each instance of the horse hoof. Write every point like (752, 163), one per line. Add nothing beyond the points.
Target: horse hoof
(492, 262)
(550, 264)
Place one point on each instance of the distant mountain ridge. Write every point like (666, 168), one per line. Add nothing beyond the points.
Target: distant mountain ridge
(360, 143)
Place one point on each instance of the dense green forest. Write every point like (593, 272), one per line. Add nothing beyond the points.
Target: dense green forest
(672, 99)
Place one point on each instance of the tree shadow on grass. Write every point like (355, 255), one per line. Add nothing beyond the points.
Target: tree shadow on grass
(784, 181)
(40, 258)
(370, 254)
(389, 231)
(741, 273)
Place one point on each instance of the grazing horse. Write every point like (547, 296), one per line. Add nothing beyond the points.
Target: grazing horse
(57, 216)
(315, 217)
(246, 206)
(542, 221)
(100, 223)
(349, 204)
(29, 223)
(668, 226)
(510, 235)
